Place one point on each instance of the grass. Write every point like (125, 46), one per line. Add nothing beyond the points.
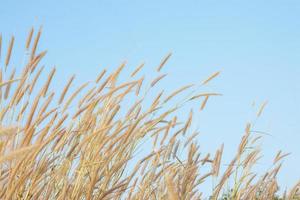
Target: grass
(84, 143)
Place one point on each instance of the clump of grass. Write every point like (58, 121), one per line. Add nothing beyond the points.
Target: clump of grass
(83, 143)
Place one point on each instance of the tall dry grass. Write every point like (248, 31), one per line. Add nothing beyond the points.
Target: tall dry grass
(83, 143)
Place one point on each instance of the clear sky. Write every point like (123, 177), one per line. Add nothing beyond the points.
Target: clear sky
(256, 45)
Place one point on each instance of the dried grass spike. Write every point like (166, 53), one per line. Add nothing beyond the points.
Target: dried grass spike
(177, 92)
(156, 80)
(50, 77)
(214, 75)
(35, 44)
(137, 70)
(66, 88)
(204, 103)
(262, 107)
(28, 41)
(11, 45)
(163, 62)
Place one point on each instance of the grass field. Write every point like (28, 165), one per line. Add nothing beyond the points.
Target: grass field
(81, 143)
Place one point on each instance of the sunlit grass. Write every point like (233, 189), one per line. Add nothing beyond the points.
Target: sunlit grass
(82, 143)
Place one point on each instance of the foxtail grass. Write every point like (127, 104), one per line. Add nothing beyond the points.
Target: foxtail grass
(84, 142)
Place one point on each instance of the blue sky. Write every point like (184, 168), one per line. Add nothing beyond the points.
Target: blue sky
(256, 45)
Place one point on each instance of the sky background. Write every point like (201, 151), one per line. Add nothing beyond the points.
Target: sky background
(255, 44)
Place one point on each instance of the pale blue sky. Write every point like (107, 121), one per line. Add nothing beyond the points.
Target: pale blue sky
(256, 45)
